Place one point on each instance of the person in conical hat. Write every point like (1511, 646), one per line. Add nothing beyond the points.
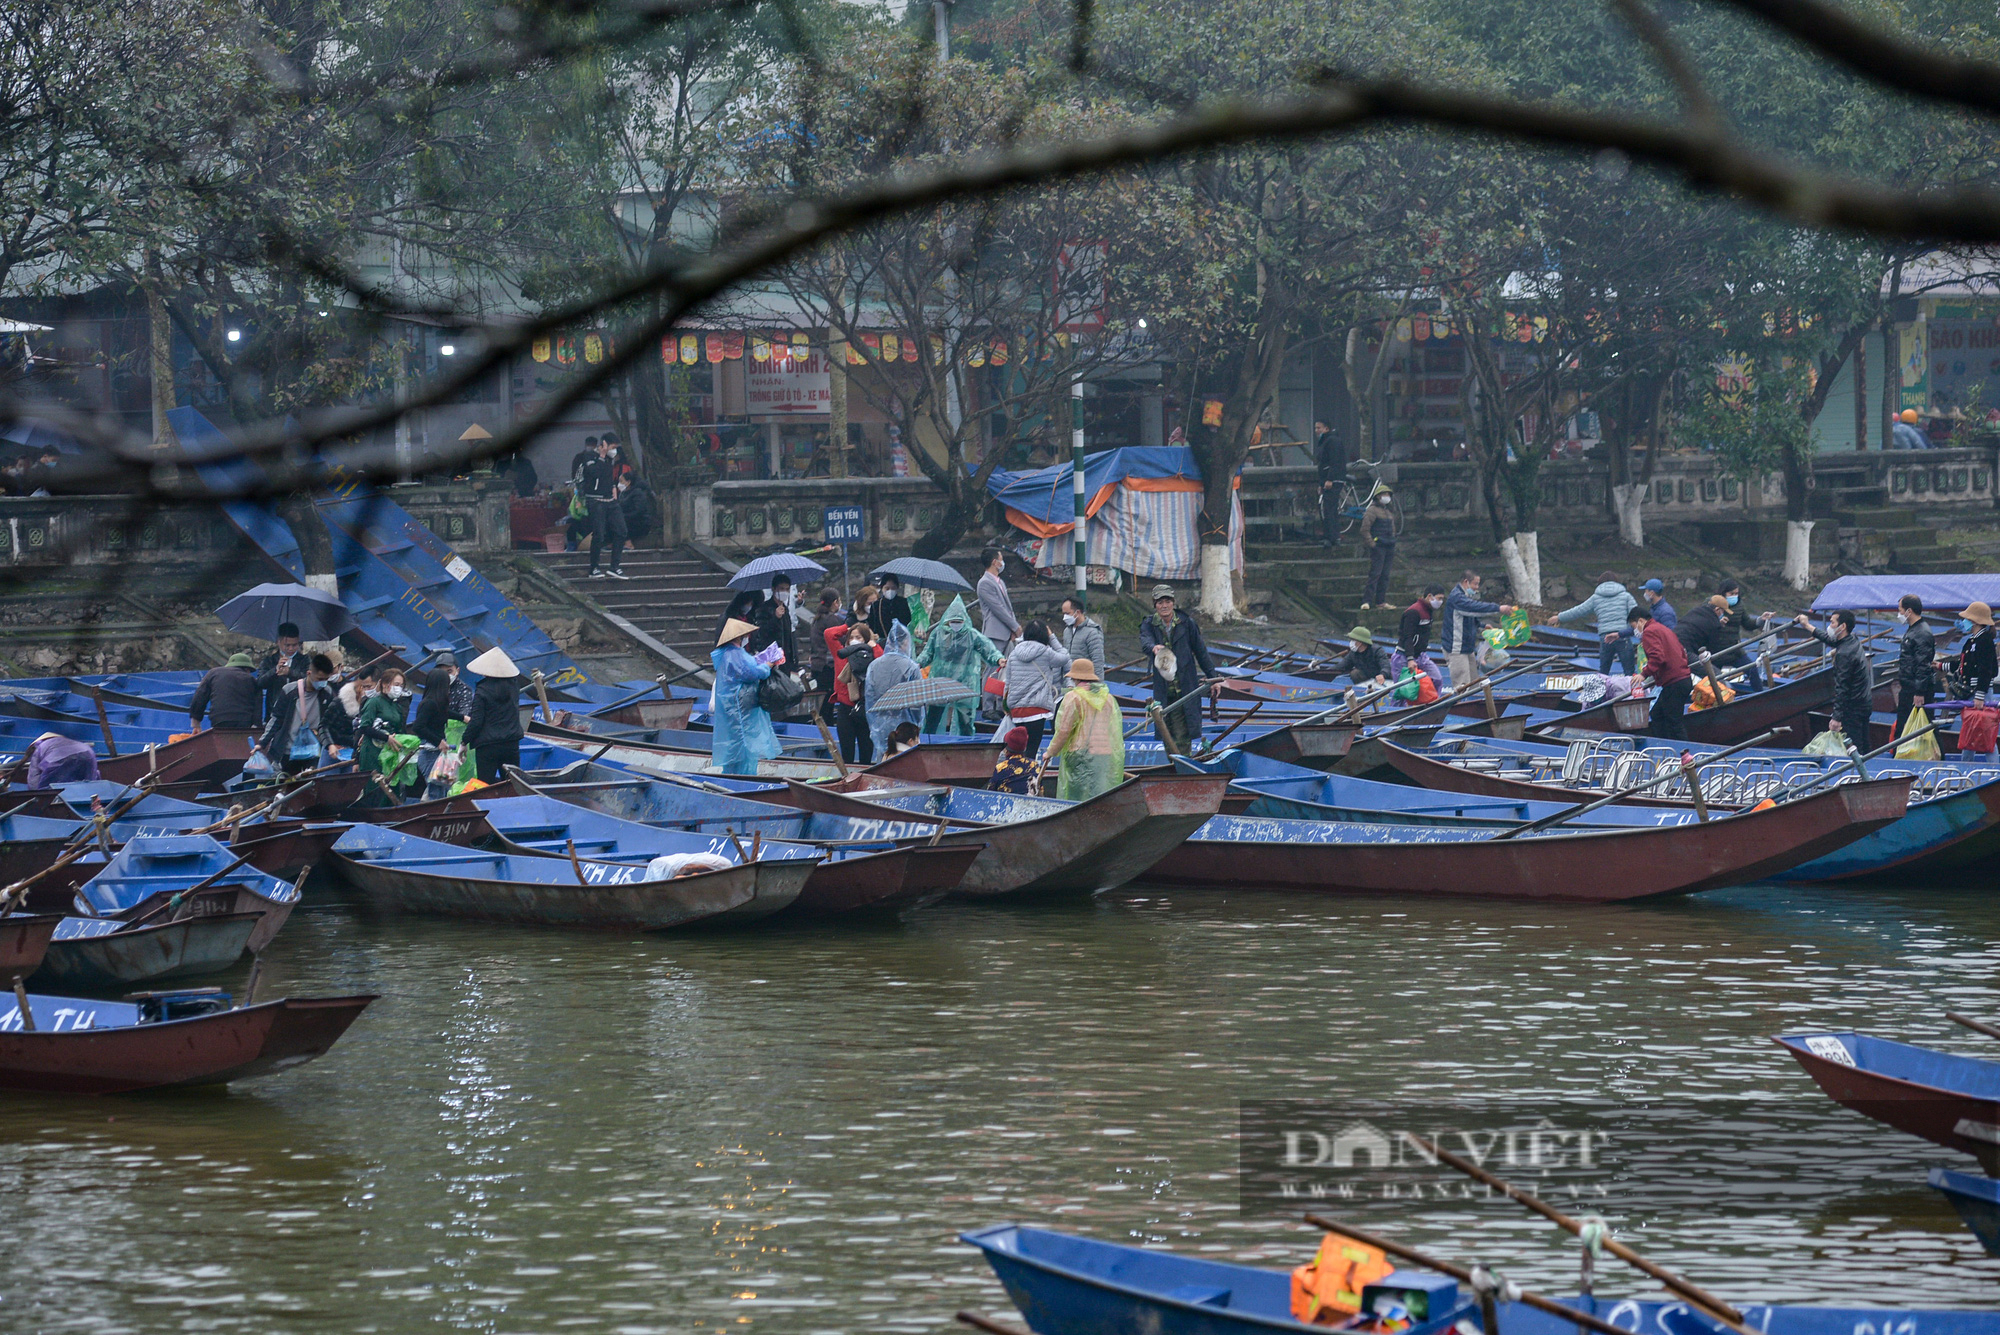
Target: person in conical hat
(494, 663)
(493, 730)
(743, 733)
(1089, 736)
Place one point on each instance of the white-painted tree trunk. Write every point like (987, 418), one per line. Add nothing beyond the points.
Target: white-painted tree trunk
(1798, 551)
(325, 584)
(1526, 588)
(1627, 500)
(1218, 596)
(1531, 557)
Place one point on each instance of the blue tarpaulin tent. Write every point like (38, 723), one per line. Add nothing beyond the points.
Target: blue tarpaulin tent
(1941, 593)
(1143, 503)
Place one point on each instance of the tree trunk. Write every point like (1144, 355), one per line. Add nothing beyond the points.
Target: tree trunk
(1218, 590)
(1627, 500)
(1221, 456)
(959, 512)
(1798, 552)
(836, 403)
(1525, 593)
(161, 331)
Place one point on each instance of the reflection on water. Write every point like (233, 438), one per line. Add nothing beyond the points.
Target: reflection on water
(784, 1130)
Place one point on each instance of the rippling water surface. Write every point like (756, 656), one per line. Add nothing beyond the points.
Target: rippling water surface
(784, 1131)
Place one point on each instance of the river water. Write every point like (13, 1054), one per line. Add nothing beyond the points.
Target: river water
(785, 1130)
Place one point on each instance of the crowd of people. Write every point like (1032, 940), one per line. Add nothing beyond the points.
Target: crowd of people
(1040, 683)
(302, 709)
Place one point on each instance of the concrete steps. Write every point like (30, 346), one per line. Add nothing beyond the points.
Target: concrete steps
(674, 596)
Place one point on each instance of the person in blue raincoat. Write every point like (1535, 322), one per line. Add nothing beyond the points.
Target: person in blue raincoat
(743, 732)
(891, 670)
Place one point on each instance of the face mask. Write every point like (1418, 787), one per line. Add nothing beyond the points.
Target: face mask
(1068, 620)
(1436, 603)
(888, 591)
(398, 693)
(1733, 599)
(1964, 626)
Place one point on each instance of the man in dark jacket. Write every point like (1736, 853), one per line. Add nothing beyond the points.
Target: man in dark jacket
(285, 663)
(1169, 631)
(1853, 676)
(602, 492)
(1735, 621)
(1365, 665)
(1463, 613)
(305, 704)
(1331, 457)
(230, 697)
(1700, 631)
(1916, 671)
(1413, 633)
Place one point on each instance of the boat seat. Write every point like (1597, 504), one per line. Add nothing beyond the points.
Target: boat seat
(1573, 760)
(1206, 1295)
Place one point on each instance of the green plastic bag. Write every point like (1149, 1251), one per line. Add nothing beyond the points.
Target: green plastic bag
(1406, 685)
(398, 759)
(577, 508)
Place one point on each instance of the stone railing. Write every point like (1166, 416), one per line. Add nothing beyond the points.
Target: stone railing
(104, 530)
(752, 516)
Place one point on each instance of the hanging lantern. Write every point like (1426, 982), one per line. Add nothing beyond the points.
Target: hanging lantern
(670, 350)
(853, 355)
(1403, 330)
(937, 350)
(891, 346)
(999, 352)
(565, 351)
(712, 345)
(690, 349)
(1211, 412)
(539, 349)
(872, 342)
(732, 344)
(593, 348)
(1420, 327)
(975, 354)
(1524, 330)
(801, 345)
(909, 347)
(760, 349)
(1541, 328)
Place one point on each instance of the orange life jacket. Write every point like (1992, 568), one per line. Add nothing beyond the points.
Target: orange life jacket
(1329, 1289)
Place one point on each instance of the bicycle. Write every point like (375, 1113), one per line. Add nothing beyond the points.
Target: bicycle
(1353, 504)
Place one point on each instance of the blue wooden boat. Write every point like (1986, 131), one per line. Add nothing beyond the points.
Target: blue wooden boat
(883, 875)
(1951, 830)
(1331, 857)
(1977, 1200)
(1069, 1285)
(1302, 794)
(1054, 847)
(151, 870)
(98, 953)
(1043, 845)
(419, 875)
(17, 734)
(18, 700)
(1944, 1098)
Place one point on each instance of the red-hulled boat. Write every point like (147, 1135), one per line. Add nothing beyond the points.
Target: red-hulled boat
(1601, 866)
(1781, 708)
(24, 939)
(82, 1046)
(888, 882)
(1946, 1099)
(1051, 847)
(208, 756)
(1442, 775)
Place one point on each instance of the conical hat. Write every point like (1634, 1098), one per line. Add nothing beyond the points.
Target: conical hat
(733, 629)
(494, 663)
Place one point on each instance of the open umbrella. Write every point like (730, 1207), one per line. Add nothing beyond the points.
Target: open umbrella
(922, 691)
(917, 573)
(759, 573)
(260, 611)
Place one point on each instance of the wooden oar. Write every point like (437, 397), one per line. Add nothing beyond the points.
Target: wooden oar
(104, 721)
(1857, 761)
(1976, 1026)
(1700, 1297)
(1464, 1276)
(660, 684)
(1211, 747)
(1691, 772)
(542, 690)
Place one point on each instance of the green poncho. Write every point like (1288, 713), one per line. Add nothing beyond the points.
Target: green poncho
(957, 651)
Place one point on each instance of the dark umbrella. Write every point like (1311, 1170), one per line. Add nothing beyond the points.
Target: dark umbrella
(919, 691)
(917, 573)
(759, 573)
(260, 611)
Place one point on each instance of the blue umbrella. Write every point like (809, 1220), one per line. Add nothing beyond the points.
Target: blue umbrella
(918, 573)
(760, 572)
(260, 611)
